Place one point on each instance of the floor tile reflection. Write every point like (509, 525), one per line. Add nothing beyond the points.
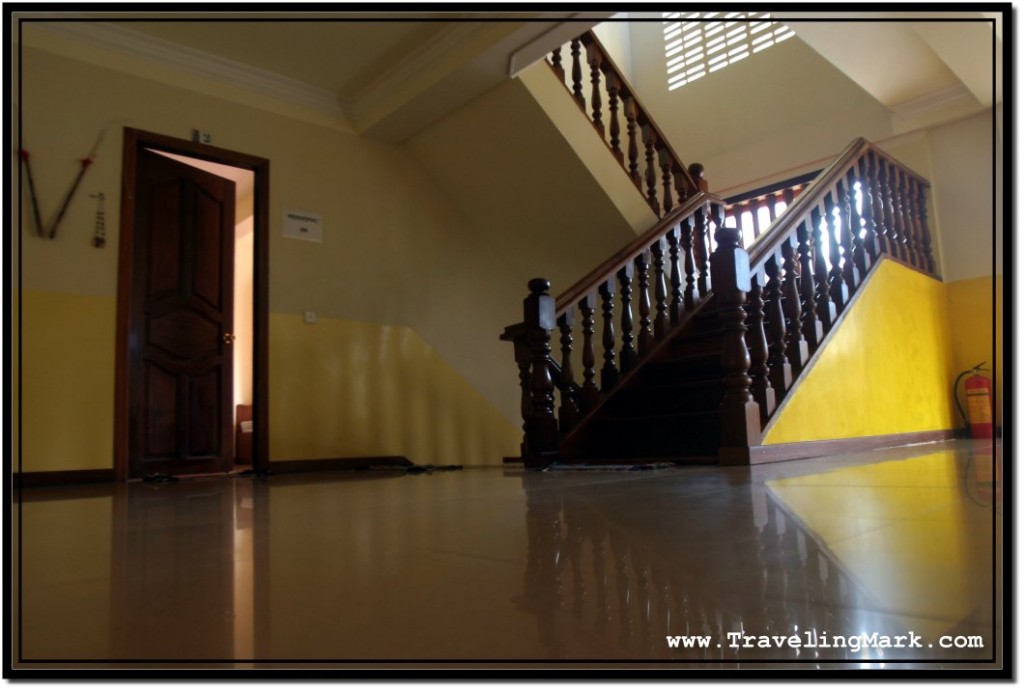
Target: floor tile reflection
(660, 567)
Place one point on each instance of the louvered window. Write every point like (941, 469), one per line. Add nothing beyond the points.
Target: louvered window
(699, 43)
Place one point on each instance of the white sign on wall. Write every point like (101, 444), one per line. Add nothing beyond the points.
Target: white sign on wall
(304, 225)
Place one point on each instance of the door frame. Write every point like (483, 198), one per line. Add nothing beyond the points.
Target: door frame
(134, 141)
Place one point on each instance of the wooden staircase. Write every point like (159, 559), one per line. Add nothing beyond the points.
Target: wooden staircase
(723, 332)
(669, 409)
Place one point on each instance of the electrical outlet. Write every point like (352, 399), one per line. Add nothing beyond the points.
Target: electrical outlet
(309, 317)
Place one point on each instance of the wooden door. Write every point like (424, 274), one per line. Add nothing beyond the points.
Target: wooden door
(180, 332)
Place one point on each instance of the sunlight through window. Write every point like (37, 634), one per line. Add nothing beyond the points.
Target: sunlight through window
(699, 43)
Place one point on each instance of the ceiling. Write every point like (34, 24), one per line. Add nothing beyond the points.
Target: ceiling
(381, 75)
(921, 65)
(388, 75)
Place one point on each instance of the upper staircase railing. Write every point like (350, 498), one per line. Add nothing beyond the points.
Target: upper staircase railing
(754, 211)
(656, 170)
(806, 266)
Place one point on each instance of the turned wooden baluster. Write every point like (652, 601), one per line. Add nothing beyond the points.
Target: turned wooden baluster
(541, 427)
(826, 310)
(627, 356)
(661, 320)
(780, 372)
(646, 339)
(755, 207)
(568, 411)
(700, 249)
(760, 387)
(521, 347)
(906, 218)
(851, 275)
(740, 415)
(609, 373)
(796, 346)
(632, 151)
(837, 289)
(556, 63)
(921, 213)
(856, 226)
(665, 163)
(577, 74)
(867, 206)
(883, 210)
(899, 232)
(735, 212)
(696, 171)
(649, 175)
(898, 235)
(591, 394)
(672, 237)
(679, 180)
(811, 326)
(689, 266)
(594, 58)
(913, 220)
(771, 200)
(612, 84)
(909, 227)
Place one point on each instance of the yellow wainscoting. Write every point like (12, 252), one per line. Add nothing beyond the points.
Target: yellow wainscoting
(67, 381)
(342, 389)
(976, 316)
(887, 369)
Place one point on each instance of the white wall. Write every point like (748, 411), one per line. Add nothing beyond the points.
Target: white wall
(963, 190)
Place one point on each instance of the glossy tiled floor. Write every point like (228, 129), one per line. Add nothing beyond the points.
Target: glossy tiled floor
(522, 570)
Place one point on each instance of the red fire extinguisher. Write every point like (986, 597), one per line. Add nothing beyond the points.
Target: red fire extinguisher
(978, 392)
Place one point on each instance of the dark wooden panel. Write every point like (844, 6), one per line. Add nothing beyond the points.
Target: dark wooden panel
(207, 248)
(183, 335)
(164, 244)
(161, 412)
(204, 414)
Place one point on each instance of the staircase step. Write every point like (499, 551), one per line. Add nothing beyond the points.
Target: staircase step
(696, 345)
(649, 436)
(655, 399)
(681, 370)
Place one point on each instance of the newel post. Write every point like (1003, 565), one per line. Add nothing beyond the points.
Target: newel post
(540, 427)
(740, 414)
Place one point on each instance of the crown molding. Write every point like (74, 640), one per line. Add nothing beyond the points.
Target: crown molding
(933, 100)
(199, 63)
(407, 75)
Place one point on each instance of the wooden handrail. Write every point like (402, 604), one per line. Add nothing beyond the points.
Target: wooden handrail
(784, 224)
(809, 198)
(640, 148)
(608, 65)
(614, 263)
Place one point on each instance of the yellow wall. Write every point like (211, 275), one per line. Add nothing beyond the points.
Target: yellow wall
(338, 389)
(352, 389)
(885, 369)
(67, 368)
(972, 311)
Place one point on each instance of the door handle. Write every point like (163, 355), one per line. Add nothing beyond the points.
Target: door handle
(228, 338)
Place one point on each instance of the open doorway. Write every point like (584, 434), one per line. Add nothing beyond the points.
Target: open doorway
(242, 307)
(191, 391)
